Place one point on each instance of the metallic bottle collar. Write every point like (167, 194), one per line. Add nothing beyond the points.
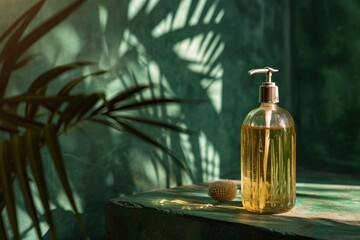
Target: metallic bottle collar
(268, 91)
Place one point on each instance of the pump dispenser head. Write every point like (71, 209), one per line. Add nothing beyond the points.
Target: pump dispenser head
(268, 92)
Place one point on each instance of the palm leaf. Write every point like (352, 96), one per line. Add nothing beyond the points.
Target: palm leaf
(19, 121)
(72, 84)
(89, 103)
(2, 229)
(8, 56)
(135, 132)
(34, 102)
(157, 123)
(162, 162)
(65, 108)
(31, 109)
(45, 27)
(71, 111)
(29, 40)
(126, 94)
(2, 203)
(8, 129)
(24, 61)
(51, 140)
(17, 152)
(6, 179)
(56, 111)
(76, 109)
(105, 123)
(32, 146)
(38, 99)
(146, 103)
(15, 24)
(120, 97)
(44, 79)
(21, 24)
(64, 92)
(124, 127)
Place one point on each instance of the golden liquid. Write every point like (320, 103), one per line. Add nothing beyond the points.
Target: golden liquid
(268, 169)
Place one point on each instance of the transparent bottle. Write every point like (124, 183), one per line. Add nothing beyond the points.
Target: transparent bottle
(268, 154)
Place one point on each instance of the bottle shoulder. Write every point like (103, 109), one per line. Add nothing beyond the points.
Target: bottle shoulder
(269, 115)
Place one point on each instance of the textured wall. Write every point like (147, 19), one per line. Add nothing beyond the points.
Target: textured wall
(326, 51)
(199, 50)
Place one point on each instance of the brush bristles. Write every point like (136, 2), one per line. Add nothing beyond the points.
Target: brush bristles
(222, 191)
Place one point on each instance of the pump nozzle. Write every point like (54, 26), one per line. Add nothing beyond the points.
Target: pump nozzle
(267, 70)
(268, 90)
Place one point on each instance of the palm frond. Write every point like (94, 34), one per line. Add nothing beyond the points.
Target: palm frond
(44, 79)
(89, 103)
(2, 229)
(18, 155)
(109, 105)
(6, 179)
(37, 99)
(71, 111)
(18, 28)
(135, 132)
(15, 24)
(24, 61)
(72, 84)
(126, 94)
(146, 103)
(40, 84)
(51, 141)
(23, 148)
(32, 142)
(157, 123)
(11, 54)
(44, 117)
(45, 27)
(78, 108)
(8, 129)
(16, 120)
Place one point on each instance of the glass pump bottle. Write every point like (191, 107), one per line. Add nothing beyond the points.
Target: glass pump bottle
(268, 153)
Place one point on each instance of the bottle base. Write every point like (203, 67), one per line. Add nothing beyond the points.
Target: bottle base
(273, 210)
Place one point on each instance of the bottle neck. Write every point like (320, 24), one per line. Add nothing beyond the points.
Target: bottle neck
(268, 93)
(269, 105)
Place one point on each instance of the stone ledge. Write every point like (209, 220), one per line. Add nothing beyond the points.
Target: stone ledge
(322, 211)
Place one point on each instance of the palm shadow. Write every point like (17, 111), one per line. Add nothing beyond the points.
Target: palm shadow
(102, 174)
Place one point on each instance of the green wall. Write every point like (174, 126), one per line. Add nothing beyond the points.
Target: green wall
(325, 50)
(199, 50)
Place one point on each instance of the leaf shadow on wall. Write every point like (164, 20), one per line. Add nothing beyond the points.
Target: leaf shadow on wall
(188, 50)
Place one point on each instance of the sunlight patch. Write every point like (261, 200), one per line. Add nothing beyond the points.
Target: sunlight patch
(103, 17)
(181, 15)
(210, 159)
(203, 52)
(61, 45)
(197, 14)
(220, 16)
(63, 201)
(163, 27)
(214, 89)
(210, 13)
(151, 5)
(134, 7)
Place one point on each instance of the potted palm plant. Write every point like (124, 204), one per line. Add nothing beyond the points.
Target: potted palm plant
(34, 119)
